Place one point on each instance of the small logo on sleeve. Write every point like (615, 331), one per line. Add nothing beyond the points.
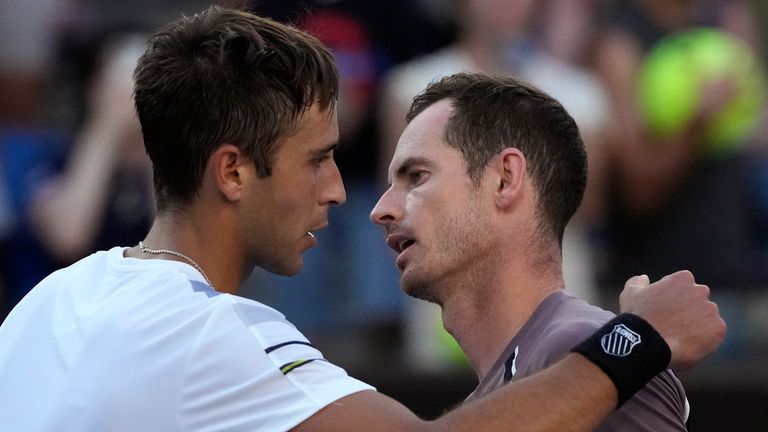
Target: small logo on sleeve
(620, 341)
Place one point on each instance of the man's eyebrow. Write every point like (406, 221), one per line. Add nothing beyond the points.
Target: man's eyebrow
(330, 147)
(407, 163)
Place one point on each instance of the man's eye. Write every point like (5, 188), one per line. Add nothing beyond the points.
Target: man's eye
(416, 176)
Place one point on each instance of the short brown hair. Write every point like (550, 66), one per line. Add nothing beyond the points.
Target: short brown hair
(492, 113)
(224, 76)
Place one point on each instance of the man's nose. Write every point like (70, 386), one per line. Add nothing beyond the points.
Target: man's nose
(335, 193)
(385, 211)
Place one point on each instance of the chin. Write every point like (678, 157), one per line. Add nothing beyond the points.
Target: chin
(285, 268)
(419, 288)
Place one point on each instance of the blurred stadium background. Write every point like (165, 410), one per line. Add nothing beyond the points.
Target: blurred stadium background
(656, 202)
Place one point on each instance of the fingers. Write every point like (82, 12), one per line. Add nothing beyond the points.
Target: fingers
(681, 311)
(681, 277)
(634, 283)
(641, 281)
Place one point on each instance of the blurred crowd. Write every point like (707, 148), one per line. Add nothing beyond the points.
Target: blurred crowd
(687, 190)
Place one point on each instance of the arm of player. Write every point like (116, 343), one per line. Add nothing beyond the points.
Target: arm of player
(572, 395)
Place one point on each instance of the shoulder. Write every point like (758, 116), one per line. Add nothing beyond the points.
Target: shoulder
(659, 406)
(567, 321)
(76, 274)
(235, 337)
(264, 325)
(572, 319)
(253, 367)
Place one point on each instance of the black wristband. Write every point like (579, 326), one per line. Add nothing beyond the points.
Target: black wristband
(629, 350)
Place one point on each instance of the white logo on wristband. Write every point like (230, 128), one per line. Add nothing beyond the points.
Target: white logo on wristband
(620, 341)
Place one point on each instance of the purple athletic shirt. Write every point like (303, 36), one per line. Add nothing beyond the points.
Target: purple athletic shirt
(559, 323)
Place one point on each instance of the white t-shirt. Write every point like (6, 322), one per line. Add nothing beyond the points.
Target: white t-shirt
(123, 344)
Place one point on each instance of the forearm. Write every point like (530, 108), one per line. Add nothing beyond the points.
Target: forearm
(68, 210)
(573, 395)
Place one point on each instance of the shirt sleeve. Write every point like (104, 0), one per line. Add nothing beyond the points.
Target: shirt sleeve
(251, 370)
(659, 407)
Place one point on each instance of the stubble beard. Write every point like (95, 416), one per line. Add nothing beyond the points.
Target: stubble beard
(458, 241)
(275, 258)
(283, 265)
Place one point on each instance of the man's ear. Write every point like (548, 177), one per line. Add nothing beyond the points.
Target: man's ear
(510, 166)
(227, 166)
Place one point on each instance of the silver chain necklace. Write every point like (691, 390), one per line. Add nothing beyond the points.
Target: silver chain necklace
(145, 249)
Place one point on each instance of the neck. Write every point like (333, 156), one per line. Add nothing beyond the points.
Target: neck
(487, 313)
(190, 233)
(147, 250)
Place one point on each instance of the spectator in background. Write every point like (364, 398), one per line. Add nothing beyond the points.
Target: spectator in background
(26, 156)
(671, 203)
(70, 197)
(691, 209)
(498, 36)
(26, 56)
(103, 195)
(399, 29)
(566, 28)
(39, 102)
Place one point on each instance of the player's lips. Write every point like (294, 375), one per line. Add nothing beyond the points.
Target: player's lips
(311, 233)
(399, 242)
(322, 226)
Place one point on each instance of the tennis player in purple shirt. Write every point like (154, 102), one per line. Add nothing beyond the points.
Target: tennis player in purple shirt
(560, 322)
(484, 180)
